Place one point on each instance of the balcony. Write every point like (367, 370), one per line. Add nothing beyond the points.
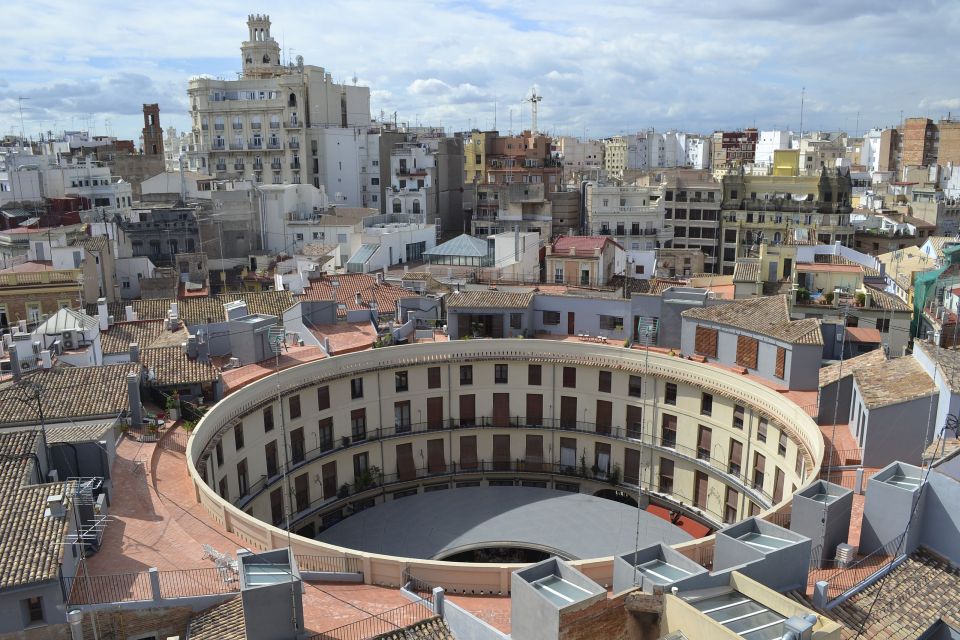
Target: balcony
(218, 127)
(238, 166)
(217, 146)
(274, 144)
(258, 166)
(255, 125)
(295, 166)
(238, 126)
(292, 124)
(294, 144)
(255, 144)
(236, 146)
(274, 125)
(221, 167)
(276, 166)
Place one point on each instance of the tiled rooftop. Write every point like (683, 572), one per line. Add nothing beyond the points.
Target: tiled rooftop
(172, 367)
(220, 622)
(202, 310)
(347, 287)
(79, 433)
(897, 380)
(71, 393)
(768, 316)
(148, 334)
(912, 598)
(489, 299)
(746, 270)
(30, 542)
(947, 359)
(583, 246)
(346, 337)
(833, 372)
(886, 301)
(233, 379)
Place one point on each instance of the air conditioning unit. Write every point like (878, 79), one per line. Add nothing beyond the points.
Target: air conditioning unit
(68, 340)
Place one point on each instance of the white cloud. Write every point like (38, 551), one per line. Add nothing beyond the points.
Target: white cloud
(617, 66)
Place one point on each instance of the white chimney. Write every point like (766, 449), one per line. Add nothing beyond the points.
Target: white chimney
(22, 325)
(55, 507)
(174, 310)
(102, 315)
(359, 299)
(129, 314)
(45, 361)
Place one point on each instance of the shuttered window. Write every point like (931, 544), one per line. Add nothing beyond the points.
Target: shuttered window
(323, 398)
(501, 453)
(270, 453)
(762, 430)
(634, 421)
(781, 366)
(568, 453)
(534, 374)
(301, 491)
(668, 430)
(570, 377)
(759, 466)
(568, 412)
(534, 408)
(736, 457)
(605, 382)
(358, 424)
(468, 410)
(468, 452)
(747, 349)
(276, 506)
(665, 481)
(329, 473)
(738, 416)
(777, 485)
(604, 416)
(534, 453)
(704, 435)
(433, 378)
(435, 413)
(631, 466)
(705, 342)
(700, 484)
(295, 406)
(436, 461)
(730, 506)
(501, 409)
(406, 468)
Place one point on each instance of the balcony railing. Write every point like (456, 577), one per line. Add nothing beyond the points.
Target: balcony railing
(140, 586)
(291, 124)
(218, 127)
(237, 126)
(217, 146)
(255, 144)
(274, 125)
(236, 146)
(274, 145)
(255, 125)
(276, 166)
(238, 166)
(377, 625)
(294, 144)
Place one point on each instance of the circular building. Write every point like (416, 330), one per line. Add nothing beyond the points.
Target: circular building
(368, 430)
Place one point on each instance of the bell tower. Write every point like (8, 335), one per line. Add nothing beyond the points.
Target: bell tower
(260, 52)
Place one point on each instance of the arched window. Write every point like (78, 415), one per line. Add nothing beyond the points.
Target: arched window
(776, 237)
(292, 102)
(266, 58)
(416, 206)
(397, 207)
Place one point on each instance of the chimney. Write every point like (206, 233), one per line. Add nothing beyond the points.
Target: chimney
(129, 313)
(133, 399)
(22, 325)
(379, 277)
(134, 352)
(191, 347)
(358, 299)
(45, 361)
(55, 507)
(102, 314)
(406, 268)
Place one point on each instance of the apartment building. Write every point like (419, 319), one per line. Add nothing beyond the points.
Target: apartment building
(279, 123)
(615, 156)
(776, 210)
(579, 157)
(631, 215)
(921, 139)
(732, 149)
(691, 204)
(426, 180)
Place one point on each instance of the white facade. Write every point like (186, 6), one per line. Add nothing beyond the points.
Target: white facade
(767, 143)
(33, 178)
(697, 151)
(291, 216)
(412, 171)
(633, 216)
(641, 265)
(397, 243)
(579, 156)
(516, 255)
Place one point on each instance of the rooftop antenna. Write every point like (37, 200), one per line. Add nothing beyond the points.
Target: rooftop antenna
(803, 92)
(494, 112)
(20, 100)
(534, 100)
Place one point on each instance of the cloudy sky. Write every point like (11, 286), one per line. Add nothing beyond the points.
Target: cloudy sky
(602, 67)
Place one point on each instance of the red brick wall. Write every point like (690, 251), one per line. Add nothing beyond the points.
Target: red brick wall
(610, 620)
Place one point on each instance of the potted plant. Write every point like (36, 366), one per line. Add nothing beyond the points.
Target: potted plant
(614, 476)
(861, 298)
(343, 491)
(828, 297)
(173, 406)
(583, 465)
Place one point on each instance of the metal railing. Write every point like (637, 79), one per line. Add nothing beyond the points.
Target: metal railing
(379, 624)
(186, 583)
(850, 577)
(329, 564)
(554, 424)
(138, 586)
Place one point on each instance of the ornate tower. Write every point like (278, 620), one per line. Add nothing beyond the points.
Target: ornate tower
(261, 53)
(152, 133)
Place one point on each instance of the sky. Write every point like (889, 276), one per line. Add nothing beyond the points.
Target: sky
(603, 68)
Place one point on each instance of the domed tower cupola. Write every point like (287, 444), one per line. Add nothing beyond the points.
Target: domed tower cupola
(261, 53)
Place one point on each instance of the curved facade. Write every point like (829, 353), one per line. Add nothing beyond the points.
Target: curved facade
(380, 425)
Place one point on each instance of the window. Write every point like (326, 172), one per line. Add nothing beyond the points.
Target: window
(219, 453)
(777, 485)
(295, 406)
(670, 395)
(781, 364)
(665, 481)
(668, 431)
(730, 506)
(270, 454)
(782, 443)
(356, 388)
(747, 349)
(706, 404)
(401, 416)
(736, 457)
(297, 445)
(611, 323)
(224, 489)
(361, 464)
(534, 374)
(605, 382)
(358, 424)
(883, 326)
(700, 489)
(516, 320)
(33, 610)
(466, 374)
(238, 436)
(400, 379)
(762, 430)
(570, 377)
(500, 374)
(704, 435)
(705, 342)
(433, 378)
(323, 398)
(242, 481)
(268, 419)
(325, 428)
(552, 317)
(738, 416)
(759, 465)
(635, 387)
(798, 466)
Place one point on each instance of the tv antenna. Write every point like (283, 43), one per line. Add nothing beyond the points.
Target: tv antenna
(534, 100)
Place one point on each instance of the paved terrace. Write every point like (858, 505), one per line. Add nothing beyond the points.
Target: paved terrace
(156, 522)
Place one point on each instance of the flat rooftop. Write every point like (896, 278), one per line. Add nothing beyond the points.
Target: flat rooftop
(437, 524)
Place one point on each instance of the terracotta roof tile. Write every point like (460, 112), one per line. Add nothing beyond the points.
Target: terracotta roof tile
(148, 334)
(894, 381)
(769, 316)
(221, 622)
(201, 310)
(582, 245)
(172, 367)
(746, 270)
(79, 432)
(489, 299)
(838, 370)
(74, 393)
(348, 284)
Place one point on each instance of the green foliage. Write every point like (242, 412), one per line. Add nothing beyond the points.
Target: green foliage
(828, 297)
(861, 299)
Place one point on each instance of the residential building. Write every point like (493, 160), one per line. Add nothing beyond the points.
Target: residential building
(888, 231)
(588, 261)
(819, 150)
(615, 156)
(280, 124)
(426, 180)
(691, 203)
(733, 149)
(35, 178)
(476, 149)
(948, 149)
(767, 143)
(581, 159)
(778, 210)
(920, 141)
(160, 233)
(631, 215)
